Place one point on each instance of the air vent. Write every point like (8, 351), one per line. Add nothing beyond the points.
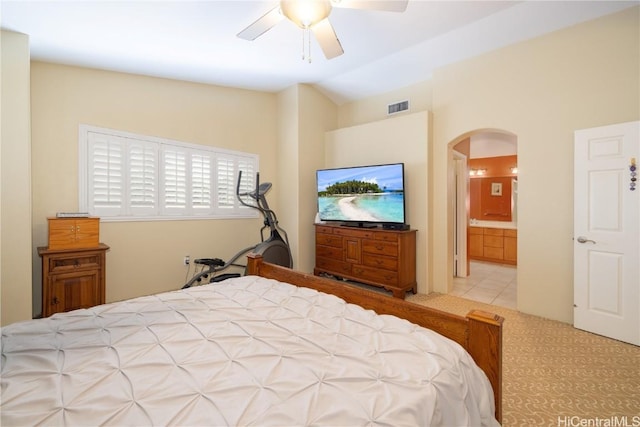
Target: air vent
(397, 107)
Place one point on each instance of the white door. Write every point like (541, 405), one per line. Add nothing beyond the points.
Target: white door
(607, 231)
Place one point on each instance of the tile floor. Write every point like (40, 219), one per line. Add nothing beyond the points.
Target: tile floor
(489, 283)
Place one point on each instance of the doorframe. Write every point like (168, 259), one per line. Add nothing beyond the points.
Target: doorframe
(460, 215)
(451, 195)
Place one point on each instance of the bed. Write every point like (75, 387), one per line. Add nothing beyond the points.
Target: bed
(275, 347)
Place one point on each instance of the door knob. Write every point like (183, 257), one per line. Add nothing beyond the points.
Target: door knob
(582, 239)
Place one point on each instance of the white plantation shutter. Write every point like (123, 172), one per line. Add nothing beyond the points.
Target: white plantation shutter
(105, 170)
(201, 182)
(127, 176)
(143, 177)
(225, 183)
(174, 180)
(228, 166)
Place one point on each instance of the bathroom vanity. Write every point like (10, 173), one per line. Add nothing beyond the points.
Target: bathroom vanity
(493, 241)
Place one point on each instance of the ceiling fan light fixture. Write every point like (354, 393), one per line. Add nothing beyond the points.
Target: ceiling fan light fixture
(305, 13)
(313, 17)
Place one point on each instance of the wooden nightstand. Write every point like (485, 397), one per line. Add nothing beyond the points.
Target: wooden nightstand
(72, 278)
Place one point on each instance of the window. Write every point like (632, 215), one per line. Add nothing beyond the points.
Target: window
(127, 176)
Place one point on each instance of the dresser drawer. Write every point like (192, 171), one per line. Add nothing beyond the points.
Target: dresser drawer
(324, 229)
(333, 266)
(73, 263)
(386, 237)
(385, 277)
(354, 232)
(380, 247)
(378, 261)
(330, 252)
(328, 240)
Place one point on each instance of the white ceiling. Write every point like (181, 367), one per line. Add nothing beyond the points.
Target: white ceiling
(196, 40)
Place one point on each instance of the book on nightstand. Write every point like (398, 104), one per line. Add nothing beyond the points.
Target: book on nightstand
(72, 215)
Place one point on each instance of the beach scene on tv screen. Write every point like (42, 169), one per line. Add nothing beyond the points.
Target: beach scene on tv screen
(368, 193)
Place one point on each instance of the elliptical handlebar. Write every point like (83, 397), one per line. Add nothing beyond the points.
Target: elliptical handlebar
(270, 218)
(238, 187)
(260, 190)
(258, 195)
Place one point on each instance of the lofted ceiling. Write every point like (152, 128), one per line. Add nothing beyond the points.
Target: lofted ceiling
(196, 40)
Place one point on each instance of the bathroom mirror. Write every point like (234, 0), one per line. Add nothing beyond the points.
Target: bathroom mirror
(493, 189)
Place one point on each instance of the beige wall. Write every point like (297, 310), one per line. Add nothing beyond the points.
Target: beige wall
(15, 180)
(145, 257)
(401, 139)
(288, 154)
(375, 108)
(304, 115)
(541, 90)
(317, 116)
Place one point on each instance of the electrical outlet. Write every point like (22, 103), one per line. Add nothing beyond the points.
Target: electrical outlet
(187, 260)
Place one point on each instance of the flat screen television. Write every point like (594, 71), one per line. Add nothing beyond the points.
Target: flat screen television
(362, 196)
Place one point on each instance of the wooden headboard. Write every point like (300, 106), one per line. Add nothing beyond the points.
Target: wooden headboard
(480, 333)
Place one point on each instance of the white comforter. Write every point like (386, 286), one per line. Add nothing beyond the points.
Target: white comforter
(249, 351)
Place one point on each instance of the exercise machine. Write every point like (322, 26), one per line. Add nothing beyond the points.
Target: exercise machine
(274, 249)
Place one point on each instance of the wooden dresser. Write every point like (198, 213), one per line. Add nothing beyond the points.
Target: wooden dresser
(73, 265)
(378, 257)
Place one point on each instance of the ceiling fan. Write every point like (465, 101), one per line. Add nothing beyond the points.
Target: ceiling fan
(313, 15)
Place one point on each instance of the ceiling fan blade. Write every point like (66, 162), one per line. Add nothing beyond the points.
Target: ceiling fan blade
(262, 25)
(327, 39)
(384, 5)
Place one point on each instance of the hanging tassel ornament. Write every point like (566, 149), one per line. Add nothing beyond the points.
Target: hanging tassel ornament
(303, 53)
(306, 53)
(309, 45)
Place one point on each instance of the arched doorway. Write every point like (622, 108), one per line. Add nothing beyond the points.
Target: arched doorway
(483, 202)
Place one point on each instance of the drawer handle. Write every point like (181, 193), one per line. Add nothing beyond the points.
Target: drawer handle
(55, 301)
(379, 247)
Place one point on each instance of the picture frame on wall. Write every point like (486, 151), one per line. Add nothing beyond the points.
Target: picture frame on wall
(496, 189)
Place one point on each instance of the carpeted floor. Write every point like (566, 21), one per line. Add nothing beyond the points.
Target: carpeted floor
(556, 375)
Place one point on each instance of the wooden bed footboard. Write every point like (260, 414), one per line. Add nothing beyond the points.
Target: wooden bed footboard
(480, 333)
